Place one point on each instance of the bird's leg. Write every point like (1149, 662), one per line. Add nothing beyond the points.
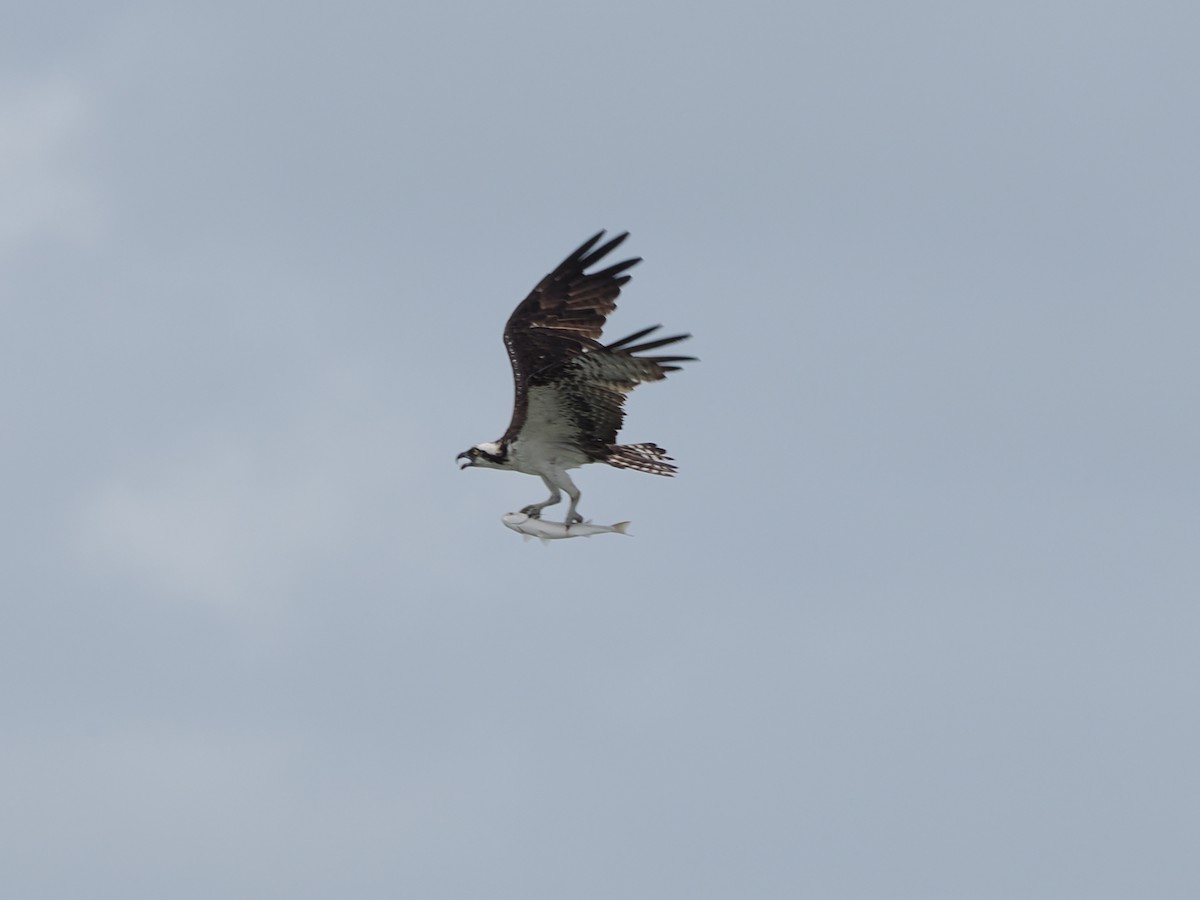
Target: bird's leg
(573, 493)
(534, 510)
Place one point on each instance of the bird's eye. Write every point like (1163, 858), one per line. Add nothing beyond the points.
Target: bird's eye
(474, 451)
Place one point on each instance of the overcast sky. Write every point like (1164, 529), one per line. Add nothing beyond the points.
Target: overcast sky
(917, 619)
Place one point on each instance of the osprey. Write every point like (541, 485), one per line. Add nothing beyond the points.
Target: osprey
(569, 387)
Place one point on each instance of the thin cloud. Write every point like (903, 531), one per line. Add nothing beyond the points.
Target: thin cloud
(44, 190)
(239, 521)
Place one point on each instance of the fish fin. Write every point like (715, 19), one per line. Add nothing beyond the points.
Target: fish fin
(545, 542)
(525, 538)
(620, 527)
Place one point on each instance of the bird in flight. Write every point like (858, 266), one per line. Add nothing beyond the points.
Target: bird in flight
(570, 388)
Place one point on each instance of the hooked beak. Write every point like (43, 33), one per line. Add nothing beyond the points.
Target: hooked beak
(464, 461)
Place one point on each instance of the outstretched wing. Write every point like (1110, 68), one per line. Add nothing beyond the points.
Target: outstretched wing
(565, 312)
(591, 392)
(571, 385)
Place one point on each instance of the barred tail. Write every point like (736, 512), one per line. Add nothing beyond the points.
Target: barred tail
(649, 458)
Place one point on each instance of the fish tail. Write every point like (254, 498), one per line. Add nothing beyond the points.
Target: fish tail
(620, 527)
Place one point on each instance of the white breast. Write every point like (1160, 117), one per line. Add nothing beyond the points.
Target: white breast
(549, 437)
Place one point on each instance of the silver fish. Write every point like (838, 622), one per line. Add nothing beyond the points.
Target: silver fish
(528, 526)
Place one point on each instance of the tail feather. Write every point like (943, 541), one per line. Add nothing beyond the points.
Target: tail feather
(649, 458)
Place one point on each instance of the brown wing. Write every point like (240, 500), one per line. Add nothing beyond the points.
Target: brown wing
(589, 392)
(561, 318)
(573, 385)
(566, 312)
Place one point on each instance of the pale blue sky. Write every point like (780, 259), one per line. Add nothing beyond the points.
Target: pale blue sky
(918, 618)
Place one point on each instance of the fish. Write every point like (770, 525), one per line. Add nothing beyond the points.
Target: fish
(543, 530)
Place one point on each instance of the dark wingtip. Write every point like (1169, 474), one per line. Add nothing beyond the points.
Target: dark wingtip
(630, 338)
(614, 271)
(587, 245)
(602, 251)
(623, 344)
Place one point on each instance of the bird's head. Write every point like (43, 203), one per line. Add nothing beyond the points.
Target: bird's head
(488, 454)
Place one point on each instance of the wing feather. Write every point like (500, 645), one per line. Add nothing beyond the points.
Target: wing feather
(553, 344)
